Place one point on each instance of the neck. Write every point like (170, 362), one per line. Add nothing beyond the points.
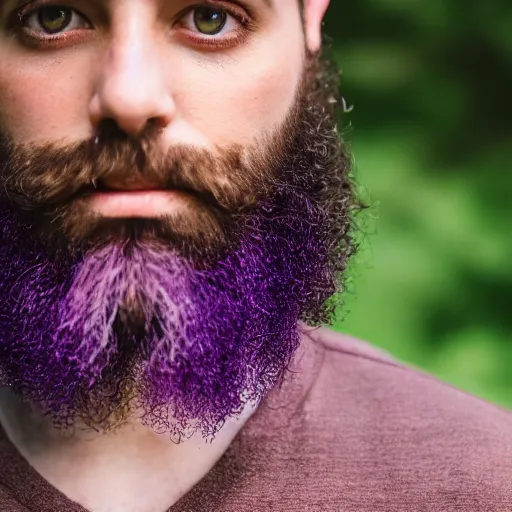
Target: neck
(132, 469)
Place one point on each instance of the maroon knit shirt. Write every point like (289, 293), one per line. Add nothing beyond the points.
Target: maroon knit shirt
(353, 430)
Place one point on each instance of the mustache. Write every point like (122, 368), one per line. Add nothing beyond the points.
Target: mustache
(48, 175)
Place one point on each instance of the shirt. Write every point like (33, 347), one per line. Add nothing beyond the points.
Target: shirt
(350, 429)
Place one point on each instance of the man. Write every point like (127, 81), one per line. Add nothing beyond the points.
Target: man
(177, 214)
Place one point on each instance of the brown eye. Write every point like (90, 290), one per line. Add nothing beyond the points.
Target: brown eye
(209, 20)
(54, 19)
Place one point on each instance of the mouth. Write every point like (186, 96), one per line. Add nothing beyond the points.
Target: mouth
(136, 197)
(148, 203)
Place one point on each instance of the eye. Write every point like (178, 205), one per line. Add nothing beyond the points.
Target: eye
(54, 19)
(209, 21)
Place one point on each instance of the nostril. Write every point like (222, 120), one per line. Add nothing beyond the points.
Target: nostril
(108, 129)
(157, 122)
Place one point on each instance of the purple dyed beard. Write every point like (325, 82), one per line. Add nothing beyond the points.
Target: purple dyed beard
(205, 341)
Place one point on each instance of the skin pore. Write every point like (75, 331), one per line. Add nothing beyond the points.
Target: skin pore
(138, 62)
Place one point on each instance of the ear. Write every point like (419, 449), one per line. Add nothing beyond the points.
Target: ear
(314, 11)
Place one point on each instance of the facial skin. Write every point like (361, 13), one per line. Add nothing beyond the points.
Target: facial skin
(144, 60)
(148, 313)
(206, 92)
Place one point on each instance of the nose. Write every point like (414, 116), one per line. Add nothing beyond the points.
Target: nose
(131, 89)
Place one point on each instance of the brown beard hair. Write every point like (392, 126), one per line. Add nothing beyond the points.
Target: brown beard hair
(50, 186)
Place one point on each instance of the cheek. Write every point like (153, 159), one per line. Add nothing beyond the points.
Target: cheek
(236, 102)
(40, 102)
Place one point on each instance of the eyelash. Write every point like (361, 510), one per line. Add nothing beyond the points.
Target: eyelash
(246, 26)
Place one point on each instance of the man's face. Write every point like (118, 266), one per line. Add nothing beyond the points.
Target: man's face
(209, 76)
(187, 309)
(176, 73)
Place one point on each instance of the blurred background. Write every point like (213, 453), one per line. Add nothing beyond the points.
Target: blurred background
(430, 83)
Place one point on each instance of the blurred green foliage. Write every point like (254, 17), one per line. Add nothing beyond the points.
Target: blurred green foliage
(431, 133)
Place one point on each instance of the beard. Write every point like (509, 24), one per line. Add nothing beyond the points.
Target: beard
(183, 319)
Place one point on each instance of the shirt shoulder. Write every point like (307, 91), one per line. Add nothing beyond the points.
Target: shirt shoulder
(384, 426)
(377, 373)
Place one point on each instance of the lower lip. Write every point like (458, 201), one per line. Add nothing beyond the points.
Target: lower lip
(137, 204)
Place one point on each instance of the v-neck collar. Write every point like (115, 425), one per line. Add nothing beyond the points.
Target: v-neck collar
(273, 416)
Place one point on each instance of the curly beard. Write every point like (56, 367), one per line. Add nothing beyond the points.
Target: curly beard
(183, 320)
